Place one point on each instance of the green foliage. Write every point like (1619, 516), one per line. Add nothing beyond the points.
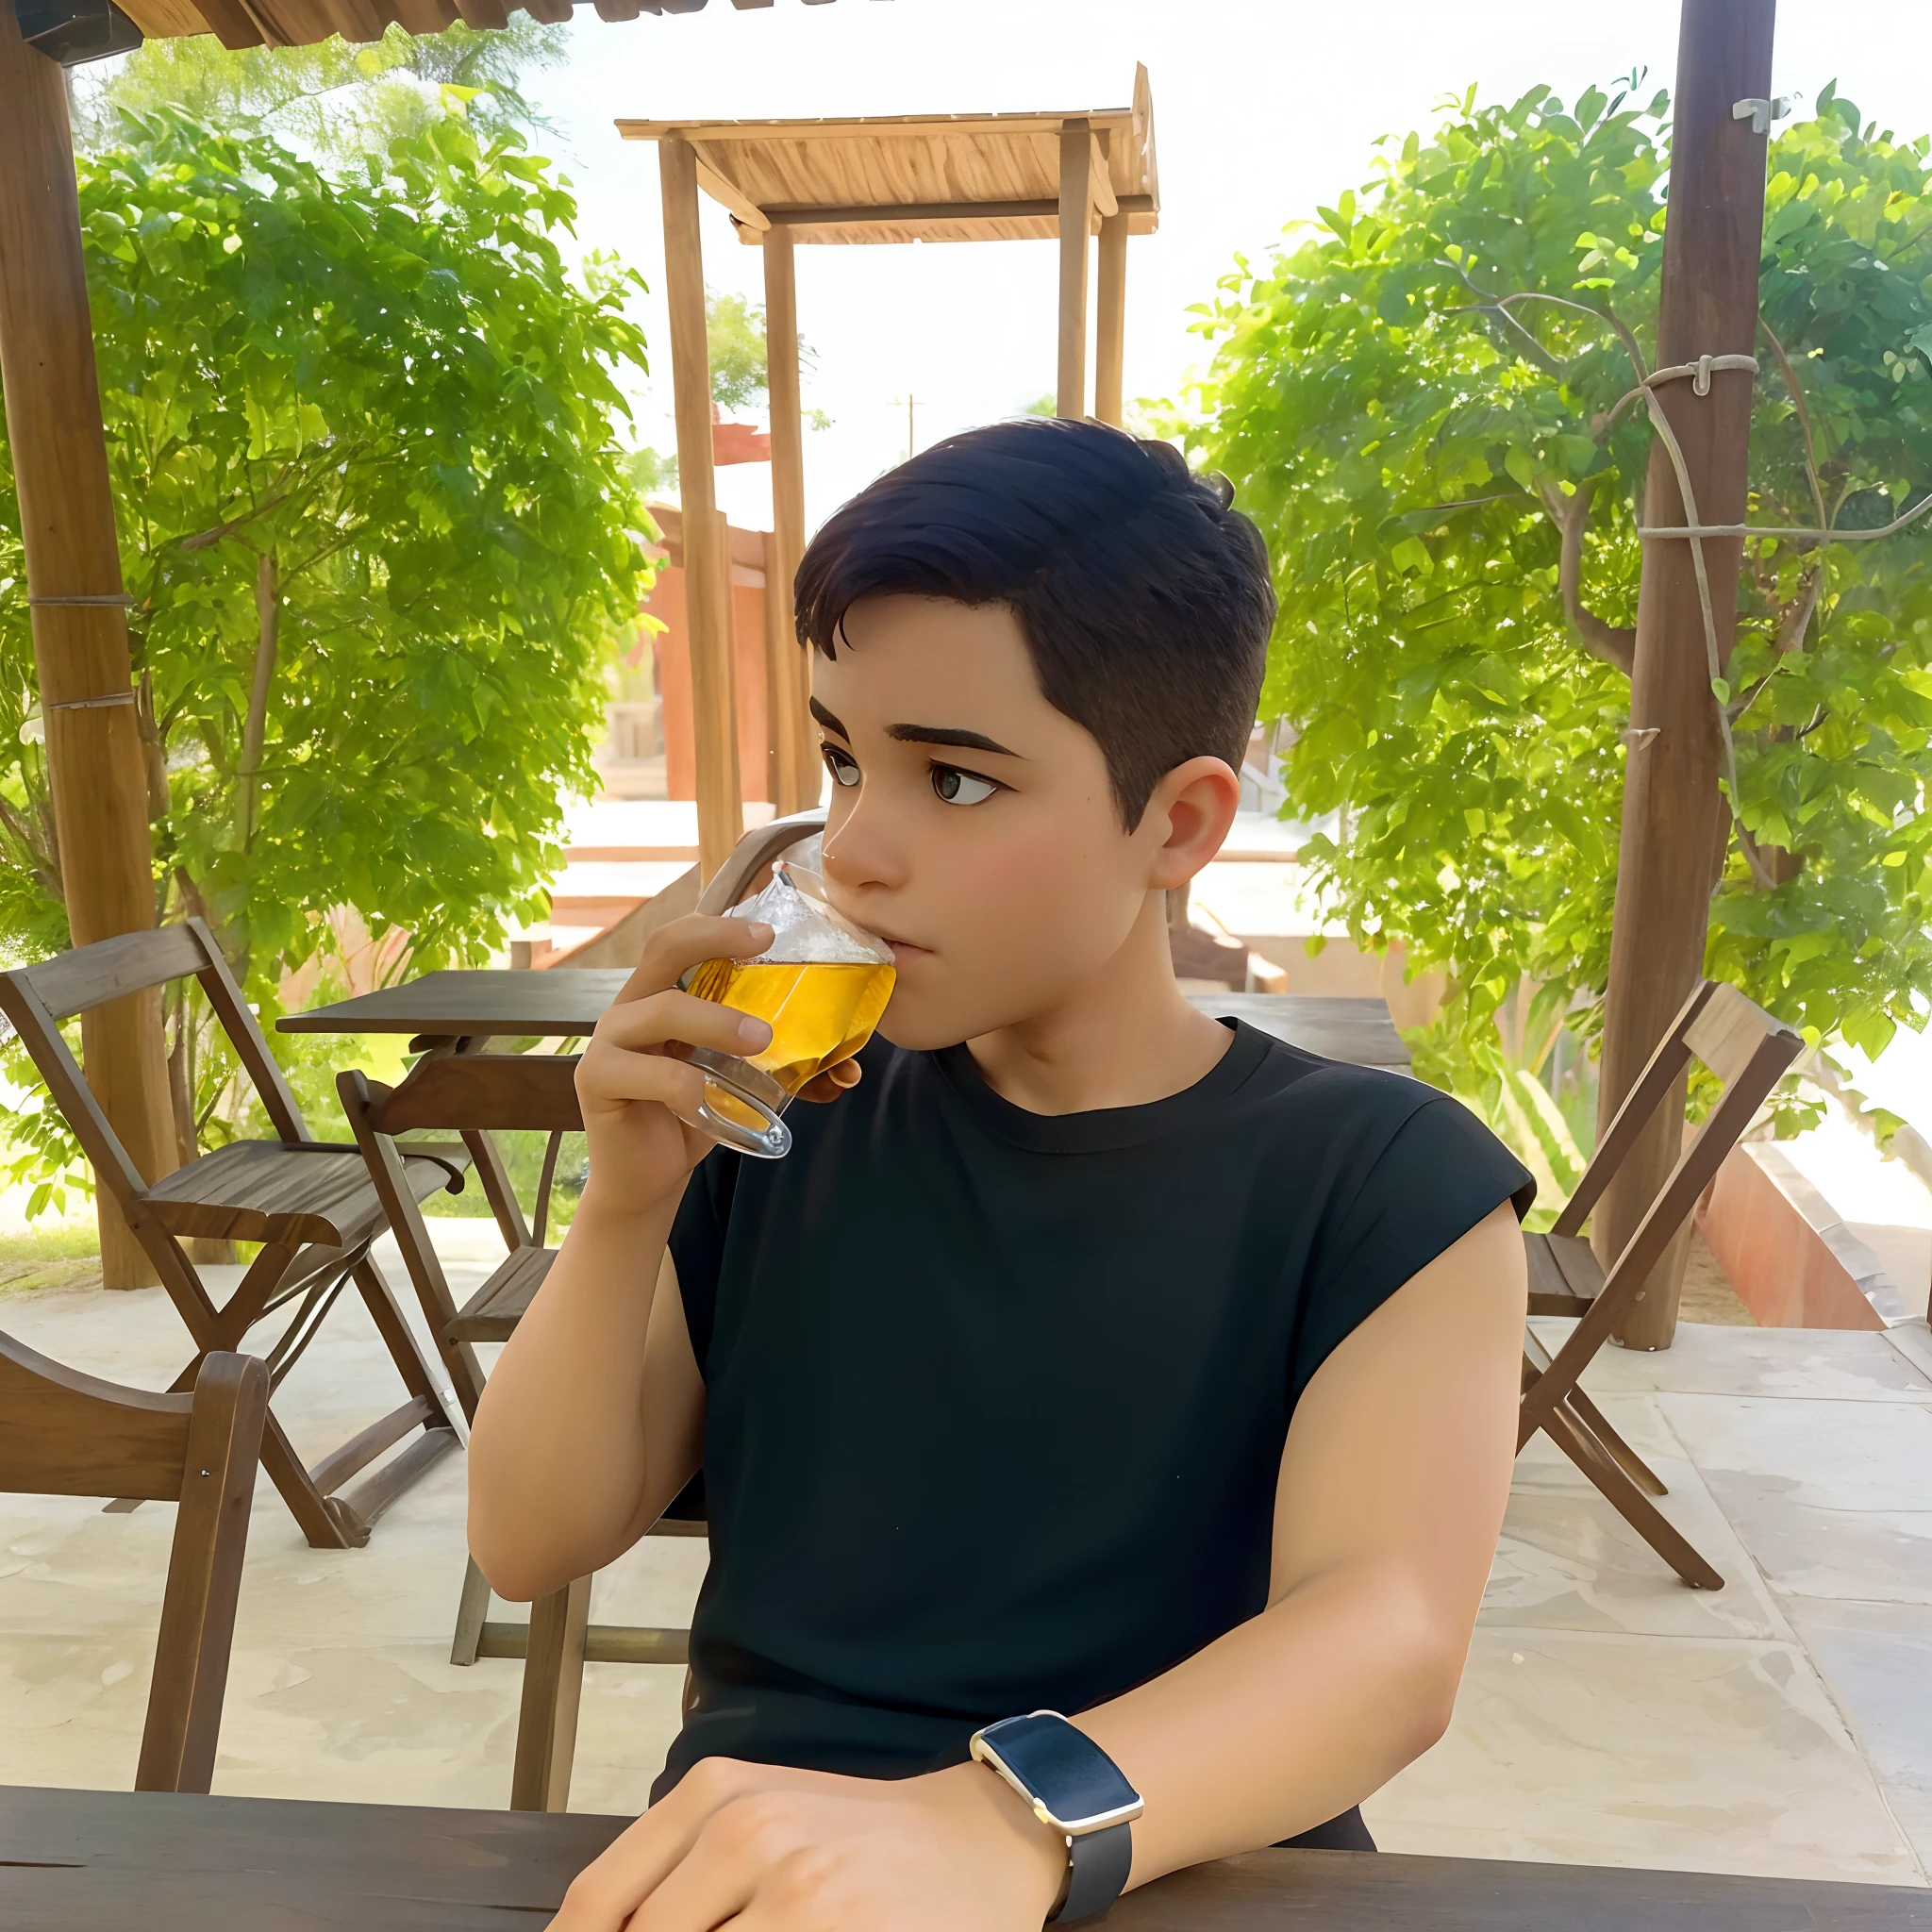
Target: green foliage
(378, 533)
(735, 345)
(1417, 398)
(334, 100)
(735, 338)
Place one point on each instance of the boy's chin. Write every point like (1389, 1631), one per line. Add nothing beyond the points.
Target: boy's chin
(921, 1031)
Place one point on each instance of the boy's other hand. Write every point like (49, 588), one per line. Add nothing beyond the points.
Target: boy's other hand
(762, 1848)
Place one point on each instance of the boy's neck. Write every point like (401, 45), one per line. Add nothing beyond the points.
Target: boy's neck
(1125, 1037)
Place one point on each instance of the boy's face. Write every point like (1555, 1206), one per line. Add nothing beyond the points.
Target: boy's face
(973, 824)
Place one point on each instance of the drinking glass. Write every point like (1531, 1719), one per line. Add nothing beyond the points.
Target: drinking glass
(821, 984)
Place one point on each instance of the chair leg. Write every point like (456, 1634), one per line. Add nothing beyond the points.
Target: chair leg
(325, 1521)
(1629, 1502)
(184, 1709)
(421, 1376)
(553, 1689)
(1633, 1465)
(473, 1609)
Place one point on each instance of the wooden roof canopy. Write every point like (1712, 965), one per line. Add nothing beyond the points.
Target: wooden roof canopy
(1062, 176)
(927, 177)
(72, 31)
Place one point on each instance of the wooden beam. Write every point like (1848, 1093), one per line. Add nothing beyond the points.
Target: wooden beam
(1111, 302)
(721, 188)
(1075, 212)
(896, 214)
(795, 740)
(1103, 194)
(96, 765)
(1676, 829)
(706, 585)
(877, 127)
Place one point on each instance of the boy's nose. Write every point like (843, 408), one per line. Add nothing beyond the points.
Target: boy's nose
(862, 850)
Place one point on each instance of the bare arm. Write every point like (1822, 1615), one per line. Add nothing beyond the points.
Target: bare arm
(591, 1421)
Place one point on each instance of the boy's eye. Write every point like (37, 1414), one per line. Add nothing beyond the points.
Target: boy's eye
(842, 765)
(961, 788)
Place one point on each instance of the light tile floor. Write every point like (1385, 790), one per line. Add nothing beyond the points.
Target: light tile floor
(1608, 1714)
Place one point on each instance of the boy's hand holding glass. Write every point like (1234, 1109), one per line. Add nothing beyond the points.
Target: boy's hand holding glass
(631, 1085)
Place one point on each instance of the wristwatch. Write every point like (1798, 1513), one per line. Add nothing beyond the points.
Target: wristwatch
(1078, 1791)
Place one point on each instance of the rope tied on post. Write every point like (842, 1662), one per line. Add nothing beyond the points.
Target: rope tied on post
(1694, 530)
(1699, 372)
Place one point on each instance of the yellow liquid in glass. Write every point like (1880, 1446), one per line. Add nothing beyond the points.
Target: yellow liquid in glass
(820, 1012)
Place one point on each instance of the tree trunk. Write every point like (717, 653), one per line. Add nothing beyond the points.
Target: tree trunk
(1665, 874)
(96, 768)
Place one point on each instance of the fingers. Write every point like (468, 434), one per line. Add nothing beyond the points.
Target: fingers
(832, 1082)
(604, 1896)
(676, 947)
(666, 1015)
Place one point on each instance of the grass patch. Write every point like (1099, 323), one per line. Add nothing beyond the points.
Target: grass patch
(55, 1243)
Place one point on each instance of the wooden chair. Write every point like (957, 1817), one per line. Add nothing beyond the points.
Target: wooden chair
(66, 1434)
(310, 1204)
(1749, 1052)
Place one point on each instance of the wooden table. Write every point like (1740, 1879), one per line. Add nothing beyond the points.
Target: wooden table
(562, 1004)
(75, 1861)
(568, 1001)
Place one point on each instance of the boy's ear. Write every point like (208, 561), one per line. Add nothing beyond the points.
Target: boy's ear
(1189, 817)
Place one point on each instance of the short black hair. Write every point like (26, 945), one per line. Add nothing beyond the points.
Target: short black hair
(1143, 595)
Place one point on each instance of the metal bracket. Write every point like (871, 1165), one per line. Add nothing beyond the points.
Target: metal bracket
(1761, 113)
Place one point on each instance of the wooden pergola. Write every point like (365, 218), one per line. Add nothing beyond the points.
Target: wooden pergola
(97, 762)
(982, 177)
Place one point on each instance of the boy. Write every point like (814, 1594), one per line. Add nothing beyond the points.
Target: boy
(1086, 1354)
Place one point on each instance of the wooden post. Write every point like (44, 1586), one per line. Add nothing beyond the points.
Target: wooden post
(1111, 330)
(793, 738)
(95, 764)
(1077, 216)
(706, 565)
(1674, 828)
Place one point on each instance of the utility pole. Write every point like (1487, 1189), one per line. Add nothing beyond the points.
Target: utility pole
(1677, 826)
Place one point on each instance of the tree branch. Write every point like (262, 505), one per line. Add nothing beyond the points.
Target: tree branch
(1790, 375)
(1615, 643)
(268, 625)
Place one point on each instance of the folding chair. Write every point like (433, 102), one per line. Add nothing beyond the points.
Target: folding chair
(66, 1434)
(1749, 1052)
(310, 1204)
(474, 1094)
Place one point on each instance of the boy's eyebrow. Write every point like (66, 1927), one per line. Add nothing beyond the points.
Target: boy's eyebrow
(920, 734)
(946, 734)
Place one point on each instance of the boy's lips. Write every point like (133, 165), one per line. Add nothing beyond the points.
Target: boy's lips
(904, 950)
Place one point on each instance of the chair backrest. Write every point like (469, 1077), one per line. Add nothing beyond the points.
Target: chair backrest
(1749, 1052)
(36, 999)
(65, 1433)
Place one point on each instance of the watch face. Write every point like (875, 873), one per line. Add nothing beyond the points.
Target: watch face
(1065, 1769)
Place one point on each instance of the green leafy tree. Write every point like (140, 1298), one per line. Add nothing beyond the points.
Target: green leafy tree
(1426, 402)
(377, 531)
(332, 100)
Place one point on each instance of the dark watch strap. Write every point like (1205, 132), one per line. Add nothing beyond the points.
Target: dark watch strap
(1098, 1864)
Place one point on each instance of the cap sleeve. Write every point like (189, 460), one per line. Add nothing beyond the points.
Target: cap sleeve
(1439, 1174)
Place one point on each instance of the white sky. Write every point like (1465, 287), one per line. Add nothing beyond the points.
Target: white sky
(1263, 108)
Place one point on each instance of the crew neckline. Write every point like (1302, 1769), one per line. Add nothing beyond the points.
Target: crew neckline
(1104, 1129)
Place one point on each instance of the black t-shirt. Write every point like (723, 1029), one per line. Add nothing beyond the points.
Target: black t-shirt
(996, 1400)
